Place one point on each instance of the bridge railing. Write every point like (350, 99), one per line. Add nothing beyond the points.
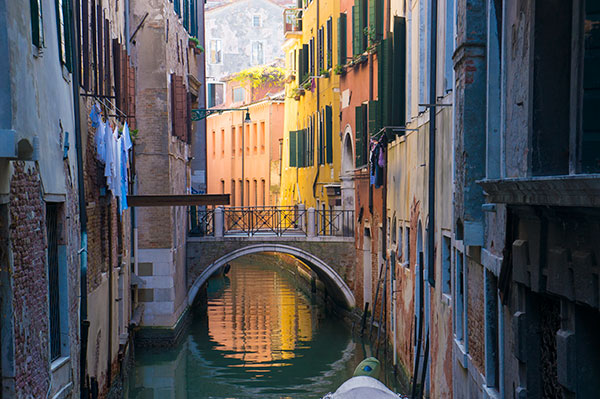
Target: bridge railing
(270, 221)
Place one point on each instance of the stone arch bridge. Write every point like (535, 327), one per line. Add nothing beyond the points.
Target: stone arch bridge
(324, 240)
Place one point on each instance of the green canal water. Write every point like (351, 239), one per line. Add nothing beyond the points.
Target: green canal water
(260, 337)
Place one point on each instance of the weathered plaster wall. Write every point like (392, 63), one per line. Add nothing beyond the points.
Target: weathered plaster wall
(232, 24)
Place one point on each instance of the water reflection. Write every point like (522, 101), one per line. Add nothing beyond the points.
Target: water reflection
(260, 337)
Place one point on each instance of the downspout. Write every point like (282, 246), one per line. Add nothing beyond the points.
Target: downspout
(318, 107)
(83, 321)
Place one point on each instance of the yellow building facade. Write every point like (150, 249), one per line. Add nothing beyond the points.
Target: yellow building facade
(312, 146)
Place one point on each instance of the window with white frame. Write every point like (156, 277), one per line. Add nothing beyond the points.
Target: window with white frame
(256, 20)
(446, 265)
(215, 54)
(257, 53)
(238, 94)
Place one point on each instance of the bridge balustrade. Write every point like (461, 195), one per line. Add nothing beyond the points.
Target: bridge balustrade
(269, 221)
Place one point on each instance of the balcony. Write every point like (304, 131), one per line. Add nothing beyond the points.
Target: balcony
(292, 21)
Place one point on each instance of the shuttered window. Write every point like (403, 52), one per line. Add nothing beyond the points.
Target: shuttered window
(186, 14)
(37, 23)
(374, 118)
(177, 7)
(359, 139)
(179, 107)
(63, 19)
(329, 42)
(376, 18)
(398, 112)
(356, 29)
(329, 134)
(301, 148)
(310, 132)
(293, 162)
(341, 40)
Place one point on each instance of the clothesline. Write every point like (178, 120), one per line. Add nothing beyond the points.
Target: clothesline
(112, 149)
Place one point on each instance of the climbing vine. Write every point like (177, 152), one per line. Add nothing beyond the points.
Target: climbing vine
(261, 75)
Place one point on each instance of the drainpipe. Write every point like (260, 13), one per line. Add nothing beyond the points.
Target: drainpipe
(83, 321)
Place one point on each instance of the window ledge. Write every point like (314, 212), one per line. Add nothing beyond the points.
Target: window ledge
(446, 299)
(58, 363)
(461, 354)
(569, 190)
(490, 393)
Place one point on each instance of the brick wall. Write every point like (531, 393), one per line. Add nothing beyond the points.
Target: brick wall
(476, 314)
(30, 285)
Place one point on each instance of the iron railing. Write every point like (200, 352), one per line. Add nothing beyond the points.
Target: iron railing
(337, 223)
(292, 20)
(201, 221)
(269, 221)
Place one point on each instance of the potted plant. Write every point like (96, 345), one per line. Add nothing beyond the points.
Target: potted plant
(339, 70)
(324, 73)
(194, 43)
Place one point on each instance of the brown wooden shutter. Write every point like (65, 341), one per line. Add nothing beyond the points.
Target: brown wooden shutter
(85, 45)
(107, 66)
(131, 94)
(100, 40)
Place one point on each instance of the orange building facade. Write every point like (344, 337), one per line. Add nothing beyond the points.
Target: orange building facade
(243, 159)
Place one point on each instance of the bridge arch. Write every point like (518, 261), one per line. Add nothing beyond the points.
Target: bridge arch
(314, 262)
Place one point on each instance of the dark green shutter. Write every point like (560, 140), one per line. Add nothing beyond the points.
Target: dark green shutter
(386, 79)
(301, 146)
(63, 27)
(355, 30)
(342, 40)
(376, 18)
(374, 119)
(293, 149)
(306, 57)
(177, 7)
(398, 113)
(37, 26)
(329, 134)
(358, 139)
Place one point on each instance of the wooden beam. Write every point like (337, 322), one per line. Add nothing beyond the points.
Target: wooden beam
(177, 200)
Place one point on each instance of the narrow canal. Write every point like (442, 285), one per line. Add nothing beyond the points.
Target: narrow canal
(261, 336)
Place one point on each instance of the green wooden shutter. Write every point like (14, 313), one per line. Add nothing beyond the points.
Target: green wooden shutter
(356, 30)
(376, 18)
(306, 55)
(398, 113)
(301, 139)
(37, 25)
(177, 7)
(328, 134)
(63, 25)
(374, 119)
(358, 138)
(293, 162)
(341, 40)
(386, 79)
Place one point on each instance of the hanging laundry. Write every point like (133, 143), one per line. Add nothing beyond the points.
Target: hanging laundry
(126, 145)
(95, 116)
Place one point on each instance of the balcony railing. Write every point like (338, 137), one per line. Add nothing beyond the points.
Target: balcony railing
(292, 20)
(270, 221)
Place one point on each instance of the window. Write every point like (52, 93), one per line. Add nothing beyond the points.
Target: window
(37, 23)
(238, 94)
(565, 88)
(58, 300)
(222, 143)
(446, 264)
(329, 42)
(407, 247)
(241, 186)
(247, 192)
(215, 55)
(263, 189)
(64, 32)
(214, 144)
(255, 137)
(215, 94)
(328, 134)
(233, 141)
(459, 294)
(240, 139)
(262, 137)
(400, 242)
(392, 226)
(222, 186)
(342, 35)
(257, 53)
(256, 20)
(292, 146)
(492, 344)
(232, 196)
(247, 133)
